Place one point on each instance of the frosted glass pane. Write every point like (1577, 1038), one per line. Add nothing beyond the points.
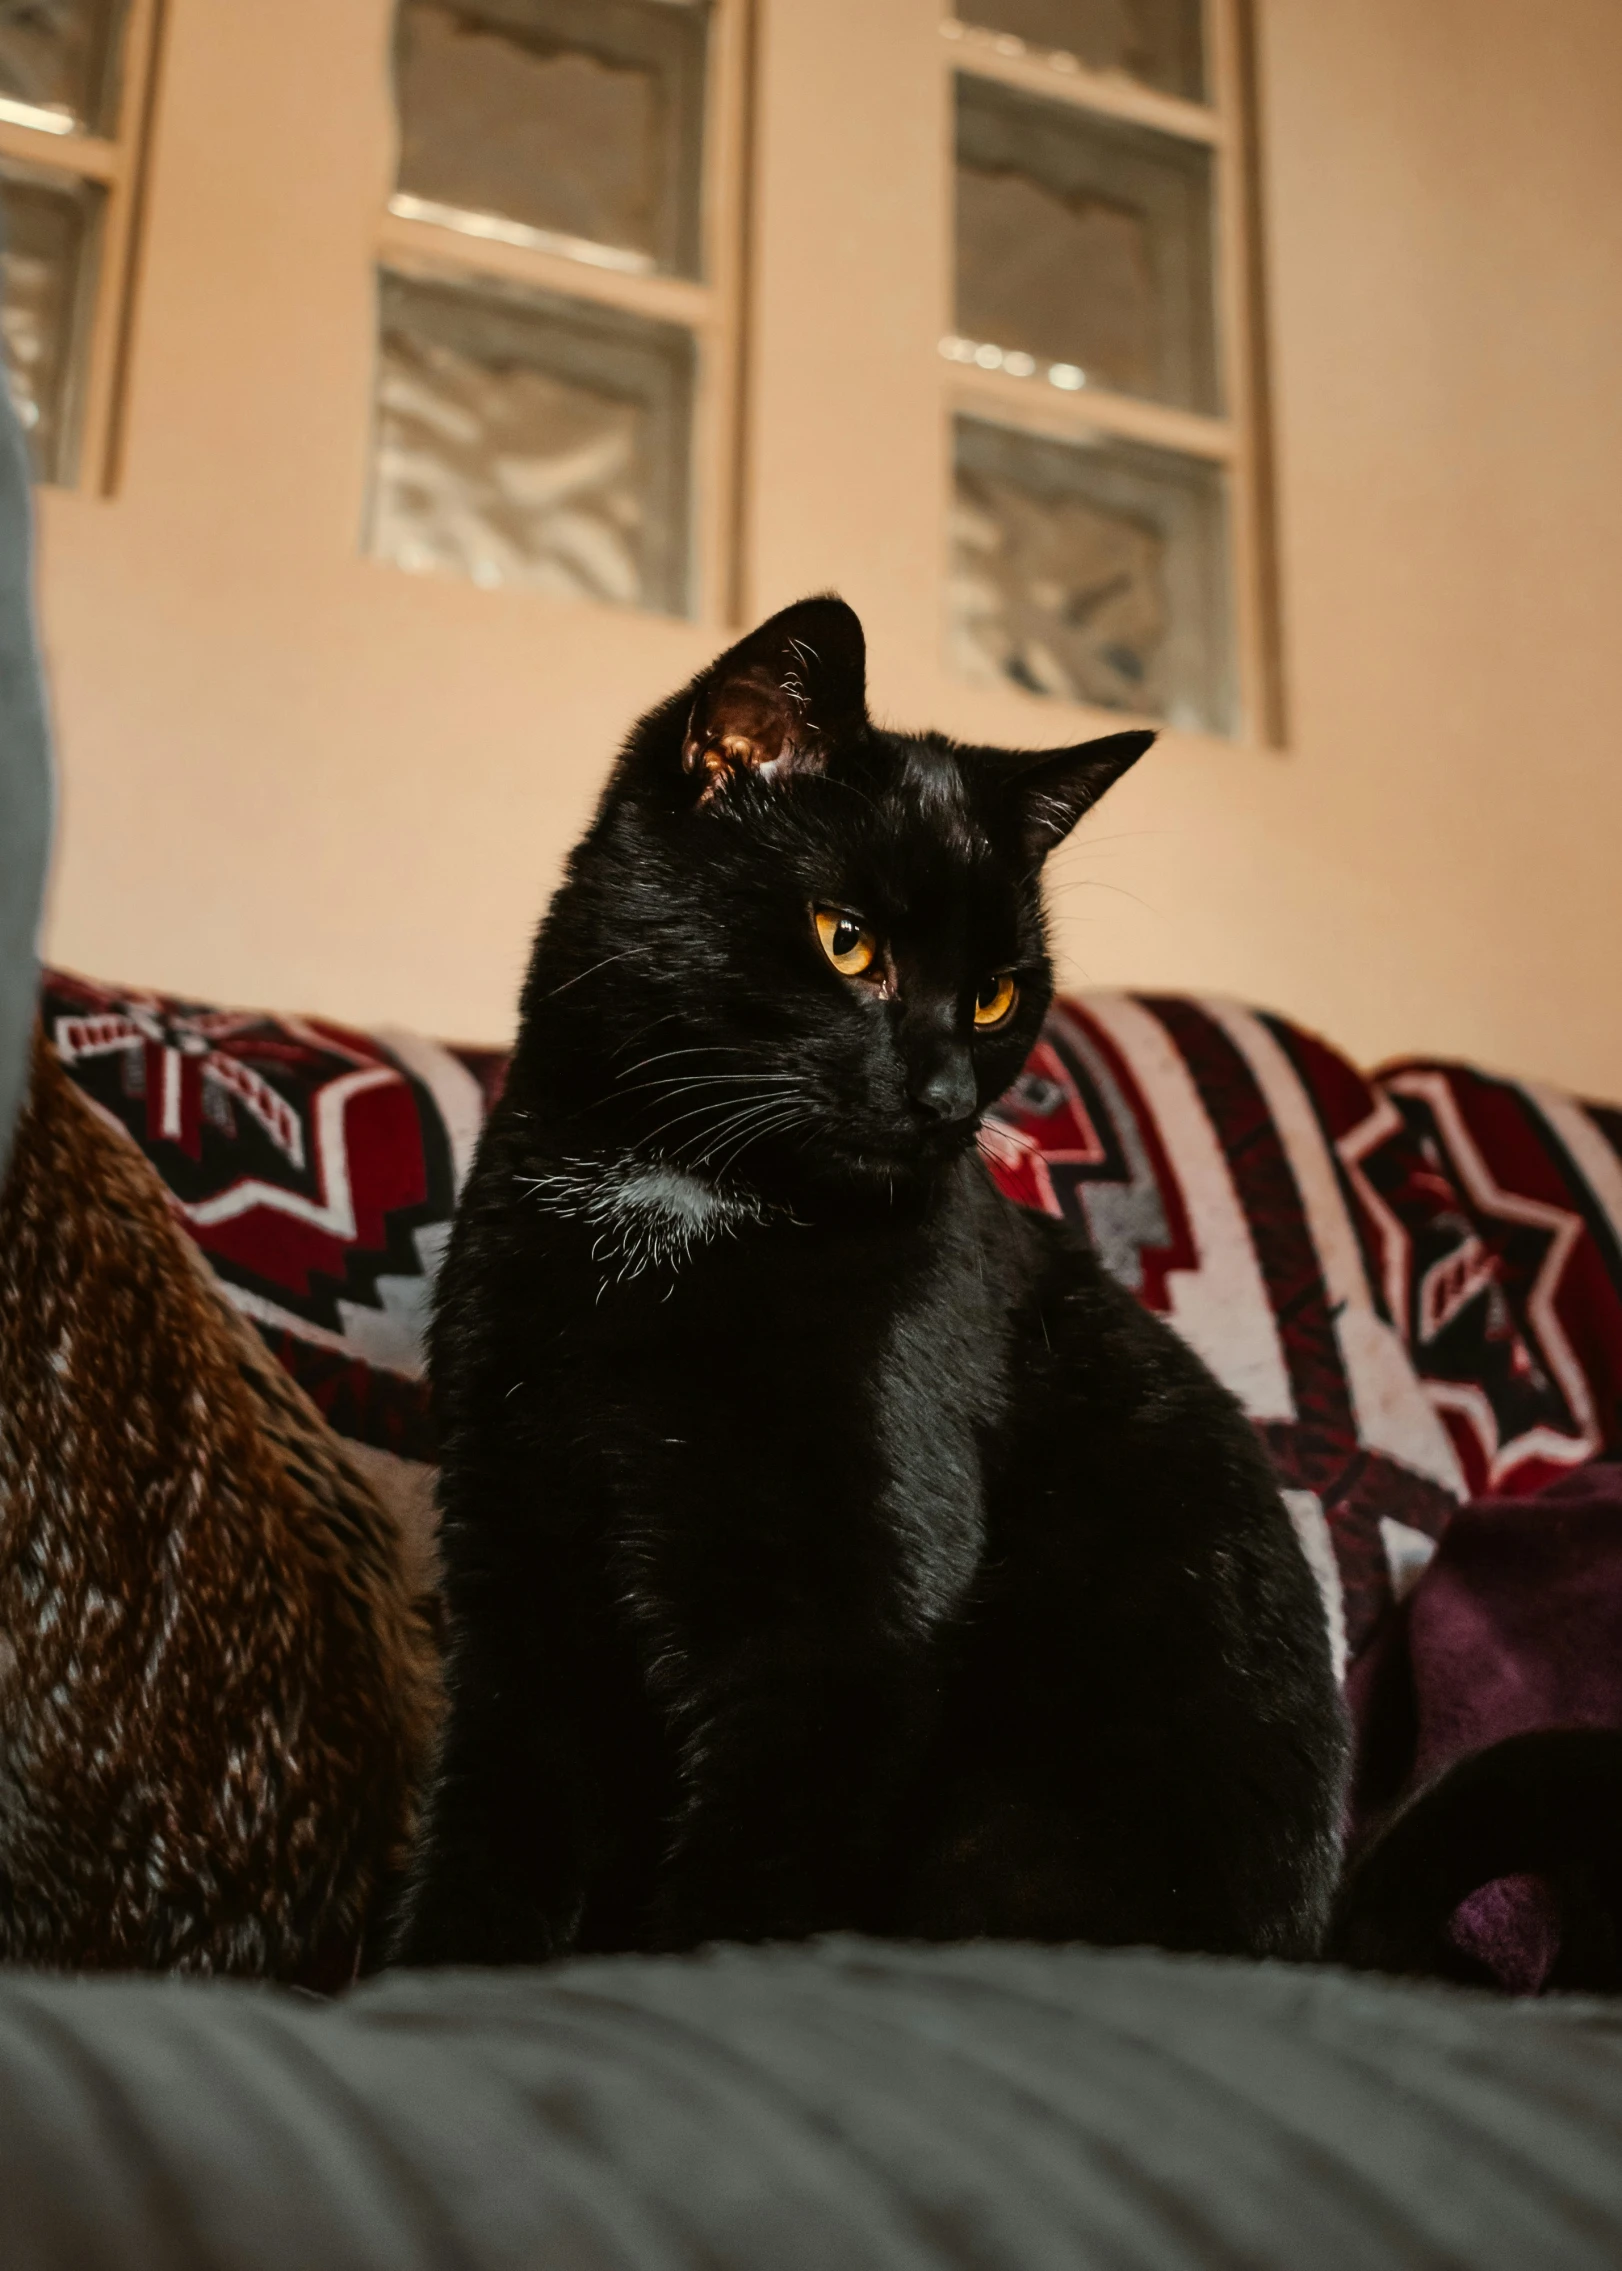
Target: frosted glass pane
(1095, 571)
(46, 276)
(532, 441)
(1157, 42)
(578, 118)
(58, 55)
(1084, 242)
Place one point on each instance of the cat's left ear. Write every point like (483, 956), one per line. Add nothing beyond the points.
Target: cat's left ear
(1052, 788)
(779, 701)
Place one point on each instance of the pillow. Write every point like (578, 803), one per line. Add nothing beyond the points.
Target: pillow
(1500, 1212)
(216, 1688)
(316, 1167)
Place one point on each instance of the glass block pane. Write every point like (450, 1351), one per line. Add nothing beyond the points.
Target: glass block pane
(573, 119)
(1094, 569)
(1157, 42)
(1086, 243)
(47, 276)
(533, 441)
(59, 56)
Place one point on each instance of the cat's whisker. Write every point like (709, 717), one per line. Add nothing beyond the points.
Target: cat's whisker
(1095, 883)
(715, 1108)
(1090, 843)
(725, 1095)
(714, 1139)
(699, 1049)
(720, 1166)
(690, 1081)
(698, 1111)
(725, 1167)
(718, 1112)
(785, 1118)
(580, 976)
(734, 1115)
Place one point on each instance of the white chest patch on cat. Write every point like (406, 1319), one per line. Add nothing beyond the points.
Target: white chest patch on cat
(647, 1215)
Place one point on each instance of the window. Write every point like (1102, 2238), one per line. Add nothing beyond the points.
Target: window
(1102, 381)
(558, 318)
(74, 79)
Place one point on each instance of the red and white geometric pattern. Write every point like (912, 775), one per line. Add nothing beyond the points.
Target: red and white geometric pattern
(315, 1166)
(1413, 1285)
(1500, 1206)
(1196, 1141)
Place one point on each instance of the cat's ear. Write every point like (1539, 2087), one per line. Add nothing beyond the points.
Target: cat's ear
(1052, 788)
(778, 701)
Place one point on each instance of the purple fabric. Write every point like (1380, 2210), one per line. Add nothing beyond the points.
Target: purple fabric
(1515, 1628)
(1517, 1623)
(1512, 1927)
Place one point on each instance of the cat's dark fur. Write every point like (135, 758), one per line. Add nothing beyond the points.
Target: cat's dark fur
(828, 1542)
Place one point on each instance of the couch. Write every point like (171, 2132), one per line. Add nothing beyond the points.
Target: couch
(848, 2107)
(1411, 1281)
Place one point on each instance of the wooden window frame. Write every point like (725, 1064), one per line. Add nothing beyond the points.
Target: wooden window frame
(116, 164)
(710, 306)
(1238, 439)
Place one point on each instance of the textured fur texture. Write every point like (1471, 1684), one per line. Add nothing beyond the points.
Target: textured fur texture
(215, 1693)
(827, 1542)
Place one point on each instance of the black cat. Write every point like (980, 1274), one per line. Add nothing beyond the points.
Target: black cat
(828, 1542)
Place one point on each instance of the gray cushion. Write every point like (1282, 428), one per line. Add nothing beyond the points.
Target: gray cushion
(847, 2106)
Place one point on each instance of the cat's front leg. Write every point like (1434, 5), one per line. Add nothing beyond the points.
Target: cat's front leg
(496, 1880)
(796, 1755)
(501, 1870)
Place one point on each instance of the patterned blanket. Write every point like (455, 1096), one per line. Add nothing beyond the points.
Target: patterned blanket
(1412, 1281)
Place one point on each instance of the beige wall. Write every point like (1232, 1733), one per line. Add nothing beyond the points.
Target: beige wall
(293, 776)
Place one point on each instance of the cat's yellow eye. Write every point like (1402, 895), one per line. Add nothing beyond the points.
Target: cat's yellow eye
(849, 945)
(994, 1003)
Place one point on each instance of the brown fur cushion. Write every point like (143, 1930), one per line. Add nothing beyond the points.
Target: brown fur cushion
(216, 1690)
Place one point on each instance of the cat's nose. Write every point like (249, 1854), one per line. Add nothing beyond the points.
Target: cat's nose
(946, 1093)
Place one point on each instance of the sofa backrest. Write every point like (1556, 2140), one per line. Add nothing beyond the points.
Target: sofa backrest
(1411, 1283)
